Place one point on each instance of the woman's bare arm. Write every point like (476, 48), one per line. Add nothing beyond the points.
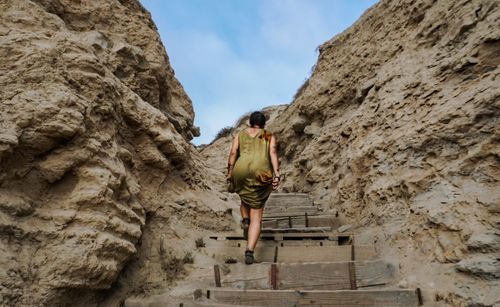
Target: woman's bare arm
(232, 155)
(274, 156)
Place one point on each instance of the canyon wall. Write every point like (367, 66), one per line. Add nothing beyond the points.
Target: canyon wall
(95, 160)
(398, 129)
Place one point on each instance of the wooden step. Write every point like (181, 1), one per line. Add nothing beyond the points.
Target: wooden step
(333, 236)
(278, 298)
(202, 303)
(306, 276)
(289, 254)
(158, 301)
(231, 254)
(270, 243)
(287, 211)
(288, 199)
(303, 220)
(297, 230)
(325, 253)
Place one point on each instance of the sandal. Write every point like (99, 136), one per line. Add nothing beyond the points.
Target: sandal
(245, 223)
(249, 257)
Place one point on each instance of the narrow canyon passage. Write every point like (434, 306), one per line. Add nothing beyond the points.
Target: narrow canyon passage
(391, 144)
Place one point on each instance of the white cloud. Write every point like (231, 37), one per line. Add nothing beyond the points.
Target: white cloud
(293, 26)
(224, 85)
(262, 66)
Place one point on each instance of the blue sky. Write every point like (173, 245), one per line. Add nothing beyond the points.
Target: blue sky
(236, 56)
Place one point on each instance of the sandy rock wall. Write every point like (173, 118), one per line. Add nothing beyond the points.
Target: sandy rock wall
(94, 148)
(398, 129)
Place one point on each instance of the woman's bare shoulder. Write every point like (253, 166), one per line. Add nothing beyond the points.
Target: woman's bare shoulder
(238, 130)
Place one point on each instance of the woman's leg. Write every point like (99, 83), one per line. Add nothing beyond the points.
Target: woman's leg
(254, 229)
(245, 219)
(244, 210)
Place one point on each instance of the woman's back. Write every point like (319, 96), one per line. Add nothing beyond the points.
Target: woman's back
(252, 173)
(254, 147)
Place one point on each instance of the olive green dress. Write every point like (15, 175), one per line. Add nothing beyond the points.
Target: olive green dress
(252, 173)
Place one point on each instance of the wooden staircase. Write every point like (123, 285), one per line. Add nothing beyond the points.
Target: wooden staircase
(301, 260)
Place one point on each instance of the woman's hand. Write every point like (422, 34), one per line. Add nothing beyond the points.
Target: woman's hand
(229, 171)
(276, 182)
(274, 161)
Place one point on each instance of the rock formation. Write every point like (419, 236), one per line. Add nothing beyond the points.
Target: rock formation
(398, 130)
(95, 156)
(100, 189)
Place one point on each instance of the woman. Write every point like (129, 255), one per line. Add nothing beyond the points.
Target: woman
(253, 168)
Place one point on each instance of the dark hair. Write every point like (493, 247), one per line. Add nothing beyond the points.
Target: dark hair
(257, 118)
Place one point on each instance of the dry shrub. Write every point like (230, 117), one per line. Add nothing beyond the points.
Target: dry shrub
(199, 243)
(172, 265)
(243, 119)
(188, 258)
(223, 133)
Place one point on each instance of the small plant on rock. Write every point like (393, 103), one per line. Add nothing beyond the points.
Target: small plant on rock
(199, 243)
(223, 132)
(170, 263)
(188, 258)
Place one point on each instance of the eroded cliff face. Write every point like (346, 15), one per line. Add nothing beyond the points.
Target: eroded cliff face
(398, 129)
(95, 160)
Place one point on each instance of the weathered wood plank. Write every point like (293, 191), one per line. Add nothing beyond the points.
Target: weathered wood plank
(289, 202)
(308, 243)
(323, 221)
(203, 304)
(163, 301)
(314, 253)
(242, 276)
(333, 275)
(296, 210)
(313, 276)
(298, 229)
(289, 254)
(289, 199)
(300, 221)
(295, 194)
(299, 236)
(319, 276)
(385, 298)
(271, 243)
(282, 236)
(364, 252)
(324, 253)
(372, 273)
(230, 254)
